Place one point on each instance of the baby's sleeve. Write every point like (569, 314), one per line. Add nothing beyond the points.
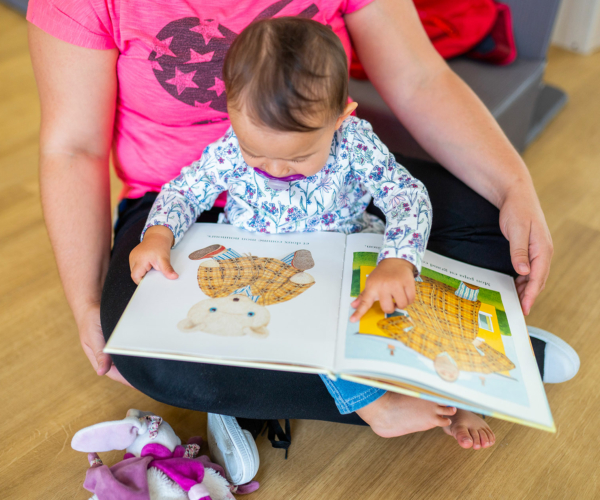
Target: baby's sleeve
(195, 190)
(85, 23)
(401, 197)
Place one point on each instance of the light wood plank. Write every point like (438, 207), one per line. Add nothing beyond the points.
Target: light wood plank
(49, 390)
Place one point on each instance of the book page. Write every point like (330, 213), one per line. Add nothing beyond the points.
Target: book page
(260, 298)
(464, 337)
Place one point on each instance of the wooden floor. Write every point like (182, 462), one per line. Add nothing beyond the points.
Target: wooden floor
(48, 390)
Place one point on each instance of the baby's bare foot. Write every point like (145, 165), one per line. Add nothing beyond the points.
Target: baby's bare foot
(470, 431)
(395, 415)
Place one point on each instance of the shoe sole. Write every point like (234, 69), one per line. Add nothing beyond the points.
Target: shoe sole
(224, 433)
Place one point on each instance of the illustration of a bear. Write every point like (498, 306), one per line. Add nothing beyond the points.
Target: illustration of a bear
(241, 286)
(231, 316)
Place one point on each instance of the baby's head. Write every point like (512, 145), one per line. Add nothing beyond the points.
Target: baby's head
(287, 93)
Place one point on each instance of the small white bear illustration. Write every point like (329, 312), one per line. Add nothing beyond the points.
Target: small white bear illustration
(232, 316)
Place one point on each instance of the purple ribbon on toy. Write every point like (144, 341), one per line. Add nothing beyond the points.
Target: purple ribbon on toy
(279, 183)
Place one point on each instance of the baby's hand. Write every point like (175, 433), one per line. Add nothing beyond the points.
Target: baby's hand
(392, 283)
(153, 252)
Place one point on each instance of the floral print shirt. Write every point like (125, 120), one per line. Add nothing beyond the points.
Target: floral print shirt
(359, 167)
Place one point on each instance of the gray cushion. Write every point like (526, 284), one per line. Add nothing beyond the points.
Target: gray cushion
(509, 92)
(533, 21)
(20, 5)
(499, 86)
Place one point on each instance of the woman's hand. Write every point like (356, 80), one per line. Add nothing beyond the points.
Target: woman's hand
(392, 283)
(92, 341)
(446, 117)
(523, 224)
(153, 252)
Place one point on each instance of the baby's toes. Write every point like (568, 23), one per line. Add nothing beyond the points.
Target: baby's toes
(462, 435)
(476, 439)
(491, 436)
(484, 438)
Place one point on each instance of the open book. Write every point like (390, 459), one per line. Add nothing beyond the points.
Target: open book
(282, 302)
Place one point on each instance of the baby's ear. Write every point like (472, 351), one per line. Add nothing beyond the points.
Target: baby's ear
(256, 331)
(187, 325)
(348, 110)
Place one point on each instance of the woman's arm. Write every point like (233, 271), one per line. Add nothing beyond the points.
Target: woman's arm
(77, 89)
(453, 125)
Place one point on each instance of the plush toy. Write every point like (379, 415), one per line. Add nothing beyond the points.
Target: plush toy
(155, 466)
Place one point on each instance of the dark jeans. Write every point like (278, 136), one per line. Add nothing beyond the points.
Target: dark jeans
(465, 228)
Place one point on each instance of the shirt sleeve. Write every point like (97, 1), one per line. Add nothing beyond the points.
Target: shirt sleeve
(402, 198)
(195, 190)
(351, 6)
(85, 23)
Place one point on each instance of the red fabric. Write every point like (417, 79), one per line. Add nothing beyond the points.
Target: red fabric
(457, 27)
(503, 48)
(356, 68)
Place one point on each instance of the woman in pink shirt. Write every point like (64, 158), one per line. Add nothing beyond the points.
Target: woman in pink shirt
(141, 80)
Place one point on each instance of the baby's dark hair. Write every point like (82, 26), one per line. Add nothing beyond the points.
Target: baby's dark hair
(285, 71)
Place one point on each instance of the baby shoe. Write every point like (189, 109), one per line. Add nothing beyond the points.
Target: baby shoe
(561, 362)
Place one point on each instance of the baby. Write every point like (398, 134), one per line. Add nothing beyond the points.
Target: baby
(294, 159)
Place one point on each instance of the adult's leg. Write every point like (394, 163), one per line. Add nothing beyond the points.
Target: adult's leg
(240, 392)
(465, 225)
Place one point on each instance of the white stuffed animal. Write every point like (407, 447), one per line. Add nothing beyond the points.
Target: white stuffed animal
(155, 466)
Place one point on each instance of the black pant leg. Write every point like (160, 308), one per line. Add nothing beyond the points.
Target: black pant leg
(241, 392)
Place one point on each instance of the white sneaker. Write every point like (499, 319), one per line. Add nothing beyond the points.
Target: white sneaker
(561, 362)
(232, 448)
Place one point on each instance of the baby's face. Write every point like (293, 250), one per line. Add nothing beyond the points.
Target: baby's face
(284, 153)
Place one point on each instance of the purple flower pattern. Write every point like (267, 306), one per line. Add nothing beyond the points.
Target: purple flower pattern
(334, 199)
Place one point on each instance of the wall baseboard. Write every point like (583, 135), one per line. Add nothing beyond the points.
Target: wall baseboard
(578, 26)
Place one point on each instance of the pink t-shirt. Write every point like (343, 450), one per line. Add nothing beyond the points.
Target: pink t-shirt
(171, 98)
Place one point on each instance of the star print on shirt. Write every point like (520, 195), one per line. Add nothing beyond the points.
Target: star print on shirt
(203, 105)
(218, 87)
(161, 47)
(155, 65)
(187, 58)
(209, 29)
(189, 74)
(182, 80)
(199, 58)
